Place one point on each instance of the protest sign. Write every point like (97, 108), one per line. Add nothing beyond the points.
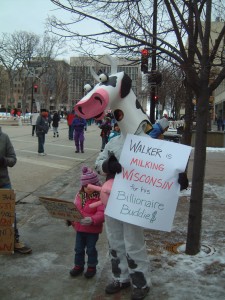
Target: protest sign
(61, 209)
(146, 192)
(7, 217)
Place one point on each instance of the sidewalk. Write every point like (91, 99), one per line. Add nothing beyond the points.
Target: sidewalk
(45, 273)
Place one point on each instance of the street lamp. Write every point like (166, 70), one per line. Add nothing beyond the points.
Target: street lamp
(154, 41)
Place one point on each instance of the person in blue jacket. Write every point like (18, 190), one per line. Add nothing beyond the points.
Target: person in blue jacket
(114, 132)
(159, 128)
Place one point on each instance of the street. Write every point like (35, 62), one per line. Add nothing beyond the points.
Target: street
(33, 171)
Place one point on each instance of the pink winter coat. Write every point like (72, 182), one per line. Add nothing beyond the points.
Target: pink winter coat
(96, 213)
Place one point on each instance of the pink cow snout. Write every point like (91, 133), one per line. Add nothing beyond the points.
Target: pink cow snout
(93, 104)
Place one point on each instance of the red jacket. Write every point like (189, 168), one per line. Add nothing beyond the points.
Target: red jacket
(70, 118)
(96, 214)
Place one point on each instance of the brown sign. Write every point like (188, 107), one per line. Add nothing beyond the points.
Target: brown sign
(61, 209)
(7, 217)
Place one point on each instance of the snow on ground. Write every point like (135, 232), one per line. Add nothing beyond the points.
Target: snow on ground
(212, 149)
(178, 276)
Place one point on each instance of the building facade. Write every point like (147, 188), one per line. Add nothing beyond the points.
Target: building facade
(36, 88)
(220, 101)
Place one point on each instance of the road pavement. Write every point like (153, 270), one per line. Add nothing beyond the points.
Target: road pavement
(45, 273)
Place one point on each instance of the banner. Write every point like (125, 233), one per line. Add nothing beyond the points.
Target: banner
(146, 192)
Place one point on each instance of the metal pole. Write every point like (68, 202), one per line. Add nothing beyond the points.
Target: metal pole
(32, 95)
(154, 41)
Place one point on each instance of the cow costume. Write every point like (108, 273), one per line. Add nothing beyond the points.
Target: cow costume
(129, 259)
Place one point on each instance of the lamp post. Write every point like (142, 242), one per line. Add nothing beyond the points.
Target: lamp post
(32, 96)
(154, 41)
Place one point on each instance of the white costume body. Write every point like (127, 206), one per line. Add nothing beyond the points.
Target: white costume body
(127, 246)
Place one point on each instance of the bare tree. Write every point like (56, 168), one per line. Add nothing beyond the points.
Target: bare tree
(184, 37)
(171, 92)
(61, 82)
(22, 52)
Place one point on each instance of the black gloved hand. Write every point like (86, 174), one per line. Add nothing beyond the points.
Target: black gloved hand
(2, 161)
(111, 165)
(183, 181)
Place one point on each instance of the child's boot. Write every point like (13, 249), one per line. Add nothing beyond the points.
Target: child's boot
(54, 134)
(77, 270)
(91, 271)
(57, 134)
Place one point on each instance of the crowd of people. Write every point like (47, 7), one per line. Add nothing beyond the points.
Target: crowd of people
(42, 121)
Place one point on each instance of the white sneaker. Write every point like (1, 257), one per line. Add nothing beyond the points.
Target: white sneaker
(42, 154)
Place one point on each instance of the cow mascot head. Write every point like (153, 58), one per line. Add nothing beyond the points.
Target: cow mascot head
(113, 92)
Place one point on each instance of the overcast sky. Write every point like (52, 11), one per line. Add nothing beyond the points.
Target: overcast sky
(27, 15)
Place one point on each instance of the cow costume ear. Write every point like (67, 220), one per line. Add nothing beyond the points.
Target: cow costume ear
(125, 85)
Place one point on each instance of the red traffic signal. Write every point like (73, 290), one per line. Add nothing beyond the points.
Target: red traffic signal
(144, 60)
(35, 88)
(156, 98)
(145, 52)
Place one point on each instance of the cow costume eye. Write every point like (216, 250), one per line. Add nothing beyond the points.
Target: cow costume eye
(87, 88)
(103, 77)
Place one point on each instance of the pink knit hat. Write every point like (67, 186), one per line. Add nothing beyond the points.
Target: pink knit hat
(89, 177)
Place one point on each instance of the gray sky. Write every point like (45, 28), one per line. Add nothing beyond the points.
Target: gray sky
(31, 15)
(27, 15)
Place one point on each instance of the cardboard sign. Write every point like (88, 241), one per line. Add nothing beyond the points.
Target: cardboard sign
(7, 218)
(146, 192)
(61, 209)
(6, 239)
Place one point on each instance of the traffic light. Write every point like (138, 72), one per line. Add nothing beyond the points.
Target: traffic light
(144, 60)
(35, 88)
(156, 98)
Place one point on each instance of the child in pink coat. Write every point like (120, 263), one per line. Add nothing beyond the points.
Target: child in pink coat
(89, 228)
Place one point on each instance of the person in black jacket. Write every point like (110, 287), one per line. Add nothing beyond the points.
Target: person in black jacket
(41, 130)
(105, 131)
(55, 124)
(8, 160)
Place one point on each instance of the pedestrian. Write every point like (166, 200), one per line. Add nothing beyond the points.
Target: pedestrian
(49, 119)
(127, 249)
(105, 131)
(89, 228)
(223, 125)
(79, 125)
(34, 117)
(219, 123)
(159, 128)
(42, 128)
(129, 258)
(69, 118)
(8, 159)
(55, 124)
(114, 132)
